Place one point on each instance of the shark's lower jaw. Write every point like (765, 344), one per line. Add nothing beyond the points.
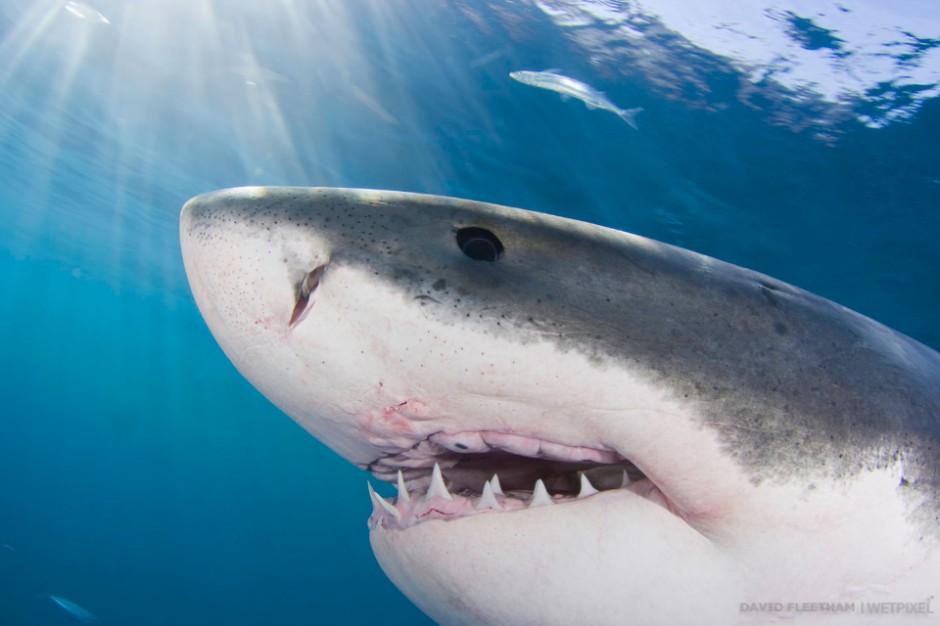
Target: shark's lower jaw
(504, 472)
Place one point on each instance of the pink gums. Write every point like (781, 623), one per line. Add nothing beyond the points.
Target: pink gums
(419, 509)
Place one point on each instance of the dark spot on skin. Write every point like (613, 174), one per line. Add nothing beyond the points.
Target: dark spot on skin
(439, 285)
(461, 446)
(479, 244)
(781, 328)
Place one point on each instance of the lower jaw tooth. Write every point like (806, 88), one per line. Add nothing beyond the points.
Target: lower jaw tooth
(497, 488)
(587, 489)
(403, 495)
(385, 506)
(540, 495)
(488, 499)
(437, 488)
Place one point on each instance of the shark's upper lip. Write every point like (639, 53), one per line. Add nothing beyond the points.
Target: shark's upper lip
(453, 450)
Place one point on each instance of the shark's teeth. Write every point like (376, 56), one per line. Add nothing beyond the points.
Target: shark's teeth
(488, 499)
(437, 489)
(497, 488)
(540, 495)
(587, 489)
(625, 482)
(403, 496)
(431, 499)
(380, 501)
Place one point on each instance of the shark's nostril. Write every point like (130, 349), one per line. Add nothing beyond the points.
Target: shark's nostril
(304, 290)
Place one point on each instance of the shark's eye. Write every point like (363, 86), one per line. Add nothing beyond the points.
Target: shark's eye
(479, 244)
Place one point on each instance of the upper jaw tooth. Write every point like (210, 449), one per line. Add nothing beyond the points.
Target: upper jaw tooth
(437, 488)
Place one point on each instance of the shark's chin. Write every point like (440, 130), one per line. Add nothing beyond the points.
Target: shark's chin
(614, 544)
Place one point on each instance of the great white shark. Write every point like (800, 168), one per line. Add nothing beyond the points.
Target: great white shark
(586, 426)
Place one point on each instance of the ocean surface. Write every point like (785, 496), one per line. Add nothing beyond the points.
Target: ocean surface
(142, 478)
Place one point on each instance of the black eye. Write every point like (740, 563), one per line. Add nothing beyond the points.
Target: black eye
(479, 244)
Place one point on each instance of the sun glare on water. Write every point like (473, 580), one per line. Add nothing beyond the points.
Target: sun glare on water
(236, 93)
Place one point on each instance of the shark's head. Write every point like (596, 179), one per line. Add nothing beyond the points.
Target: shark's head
(674, 437)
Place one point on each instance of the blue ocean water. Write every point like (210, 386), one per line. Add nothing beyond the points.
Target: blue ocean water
(140, 475)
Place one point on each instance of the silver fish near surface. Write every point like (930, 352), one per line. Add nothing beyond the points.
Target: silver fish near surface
(570, 88)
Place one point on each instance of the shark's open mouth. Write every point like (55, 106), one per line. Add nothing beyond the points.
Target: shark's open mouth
(449, 476)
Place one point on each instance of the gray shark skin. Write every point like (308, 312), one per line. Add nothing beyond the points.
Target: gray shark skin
(677, 440)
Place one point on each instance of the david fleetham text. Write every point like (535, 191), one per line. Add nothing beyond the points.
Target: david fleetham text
(886, 608)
